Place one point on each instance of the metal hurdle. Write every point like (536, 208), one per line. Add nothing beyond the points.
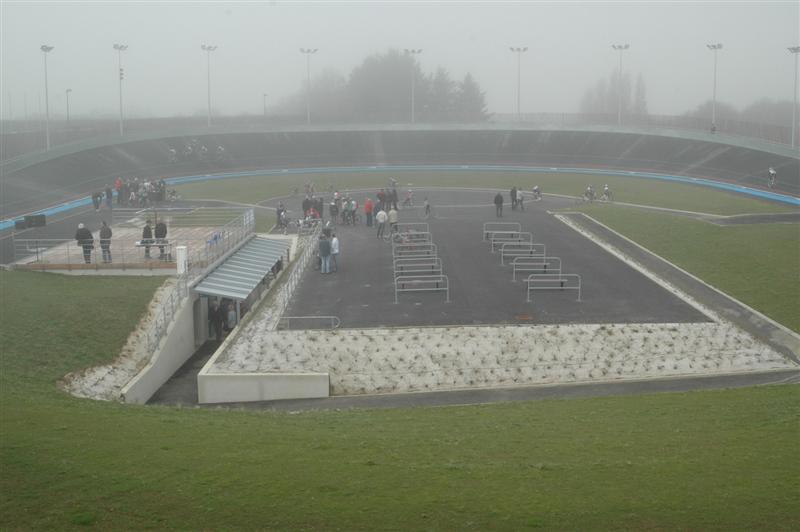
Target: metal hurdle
(553, 281)
(407, 227)
(493, 227)
(500, 238)
(422, 283)
(535, 264)
(511, 250)
(418, 266)
(413, 237)
(408, 251)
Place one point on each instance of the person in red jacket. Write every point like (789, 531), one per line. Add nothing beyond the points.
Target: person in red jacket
(368, 206)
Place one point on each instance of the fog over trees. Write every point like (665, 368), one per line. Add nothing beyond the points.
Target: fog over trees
(379, 90)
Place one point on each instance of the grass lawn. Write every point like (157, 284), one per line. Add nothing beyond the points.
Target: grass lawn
(626, 189)
(707, 460)
(757, 264)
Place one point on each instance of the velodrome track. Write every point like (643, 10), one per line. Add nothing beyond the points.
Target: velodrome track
(71, 172)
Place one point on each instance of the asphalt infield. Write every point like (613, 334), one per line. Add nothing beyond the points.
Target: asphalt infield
(361, 293)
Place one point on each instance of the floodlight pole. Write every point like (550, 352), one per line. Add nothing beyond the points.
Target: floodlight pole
(796, 51)
(308, 52)
(46, 49)
(620, 48)
(67, 92)
(265, 105)
(412, 52)
(714, 48)
(208, 49)
(120, 48)
(519, 51)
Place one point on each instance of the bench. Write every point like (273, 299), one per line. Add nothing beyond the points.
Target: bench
(422, 283)
(553, 281)
(156, 242)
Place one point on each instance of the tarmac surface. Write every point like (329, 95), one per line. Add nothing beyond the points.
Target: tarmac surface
(362, 294)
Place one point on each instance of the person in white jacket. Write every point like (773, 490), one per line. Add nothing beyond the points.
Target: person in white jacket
(335, 253)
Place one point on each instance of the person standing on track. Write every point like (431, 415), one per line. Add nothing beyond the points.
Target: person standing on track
(393, 219)
(368, 206)
(498, 205)
(335, 253)
(86, 242)
(381, 218)
(105, 242)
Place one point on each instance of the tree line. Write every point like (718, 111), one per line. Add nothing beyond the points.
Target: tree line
(379, 90)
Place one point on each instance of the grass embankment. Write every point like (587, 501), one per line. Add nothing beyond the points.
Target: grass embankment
(722, 460)
(758, 264)
(628, 189)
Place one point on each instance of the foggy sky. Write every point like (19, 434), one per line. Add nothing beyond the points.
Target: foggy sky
(569, 50)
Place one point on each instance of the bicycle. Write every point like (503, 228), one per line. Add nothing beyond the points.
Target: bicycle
(607, 197)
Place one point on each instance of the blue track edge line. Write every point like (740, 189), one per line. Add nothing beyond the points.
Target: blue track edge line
(762, 194)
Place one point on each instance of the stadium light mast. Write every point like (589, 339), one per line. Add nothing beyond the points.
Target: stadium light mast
(120, 48)
(67, 92)
(796, 51)
(265, 104)
(46, 49)
(620, 48)
(412, 52)
(308, 52)
(714, 48)
(519, 51)
(207, 48)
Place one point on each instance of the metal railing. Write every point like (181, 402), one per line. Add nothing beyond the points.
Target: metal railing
(220, 242)
(121, 253)
(284, 296)
(167, 309)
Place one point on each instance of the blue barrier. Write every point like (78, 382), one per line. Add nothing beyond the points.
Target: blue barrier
(763, 194)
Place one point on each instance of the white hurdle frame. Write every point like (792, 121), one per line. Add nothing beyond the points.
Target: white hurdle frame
(493, 227)
(524, 237)
(535, 264)
(409, 251)
(561, 278)
(418, 266)
(414, 237)
(401, 281)
(522, 249)
(419, 227)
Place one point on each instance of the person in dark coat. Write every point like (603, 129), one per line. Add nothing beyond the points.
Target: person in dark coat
(161, 236)
(105, 242)
(216, 316)
(498, 205)
(147, 238)
(86, 241)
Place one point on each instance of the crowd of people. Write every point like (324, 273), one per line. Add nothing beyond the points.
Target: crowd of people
(151, 237)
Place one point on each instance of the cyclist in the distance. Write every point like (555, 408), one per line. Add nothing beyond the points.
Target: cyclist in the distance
(772, 177)
(537, 193)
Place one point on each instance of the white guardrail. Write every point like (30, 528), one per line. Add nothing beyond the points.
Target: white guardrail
(287, 290)
(553, 281)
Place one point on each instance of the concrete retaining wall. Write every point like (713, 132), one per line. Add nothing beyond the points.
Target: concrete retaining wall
(176, 348)
(235, 388)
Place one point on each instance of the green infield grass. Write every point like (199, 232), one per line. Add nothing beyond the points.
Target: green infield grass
(758, 264)
(722, 460)
(694, 198)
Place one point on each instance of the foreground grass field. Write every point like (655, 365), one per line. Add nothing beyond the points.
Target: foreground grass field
(713, 460)
(628, 189)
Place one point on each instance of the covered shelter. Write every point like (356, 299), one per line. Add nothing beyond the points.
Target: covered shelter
(245, 271)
